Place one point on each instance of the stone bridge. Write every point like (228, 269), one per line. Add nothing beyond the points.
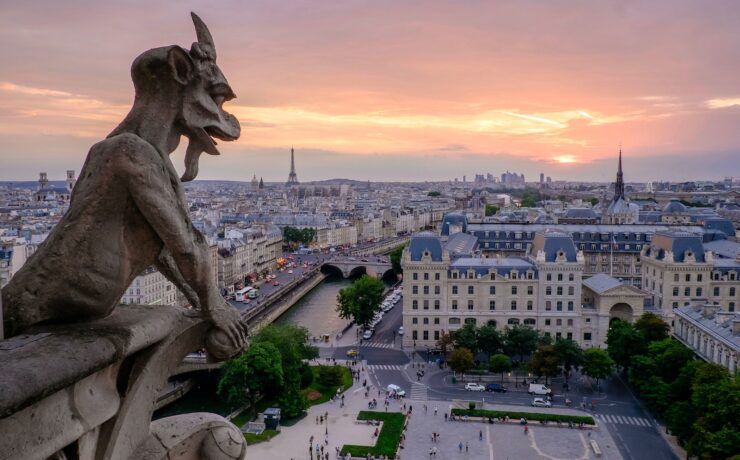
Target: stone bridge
(352, 266)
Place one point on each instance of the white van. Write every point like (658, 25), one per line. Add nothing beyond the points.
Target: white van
(539, 389)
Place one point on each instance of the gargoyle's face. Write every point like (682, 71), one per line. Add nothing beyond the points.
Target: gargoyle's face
(202, 117)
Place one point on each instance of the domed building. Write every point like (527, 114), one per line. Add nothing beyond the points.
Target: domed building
(454, 222)
(675, 212)
(619, 210)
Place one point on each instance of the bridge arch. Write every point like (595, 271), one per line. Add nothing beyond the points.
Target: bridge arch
(357, 272)
(332, 270)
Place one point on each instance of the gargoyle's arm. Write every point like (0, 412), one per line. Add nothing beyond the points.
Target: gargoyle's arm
(155, 188)
(168, 267)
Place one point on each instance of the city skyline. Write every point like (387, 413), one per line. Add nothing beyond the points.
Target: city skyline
(414, 92)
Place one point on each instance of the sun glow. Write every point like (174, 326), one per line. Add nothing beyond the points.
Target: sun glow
(566, 159)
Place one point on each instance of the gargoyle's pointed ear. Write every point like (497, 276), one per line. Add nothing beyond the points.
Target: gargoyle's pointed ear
(180, 64)
(202, 32)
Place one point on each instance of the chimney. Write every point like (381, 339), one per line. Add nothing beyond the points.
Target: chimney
(709, 310)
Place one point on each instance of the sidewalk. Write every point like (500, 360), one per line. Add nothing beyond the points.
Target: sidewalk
(292, 442)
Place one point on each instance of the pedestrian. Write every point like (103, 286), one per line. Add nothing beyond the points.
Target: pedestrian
(445, 416)
(460, 446)
(466, 446)
(317, 419)
(480, 435)
(435, 410)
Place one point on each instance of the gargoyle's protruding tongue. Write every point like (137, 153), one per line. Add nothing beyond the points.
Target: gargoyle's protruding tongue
(199, 142)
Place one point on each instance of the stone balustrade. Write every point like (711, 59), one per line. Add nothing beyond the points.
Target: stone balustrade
(88, 391)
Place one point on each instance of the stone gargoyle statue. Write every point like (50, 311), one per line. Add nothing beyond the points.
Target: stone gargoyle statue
(128, 210)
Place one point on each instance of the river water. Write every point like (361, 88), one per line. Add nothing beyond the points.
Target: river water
(317, 310)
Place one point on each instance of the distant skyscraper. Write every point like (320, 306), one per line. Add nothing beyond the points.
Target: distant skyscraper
(292, 177)
(542, 178)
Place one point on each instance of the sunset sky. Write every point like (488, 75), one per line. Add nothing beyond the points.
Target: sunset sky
(395, 90)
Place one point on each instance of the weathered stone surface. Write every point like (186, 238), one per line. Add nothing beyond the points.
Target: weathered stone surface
(128, 210)
(83, 380)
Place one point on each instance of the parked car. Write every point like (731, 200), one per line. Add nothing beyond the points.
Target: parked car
(539, 402)
(496, 388)
(539, 389)
(395, 390)
(400, 330)
(367, 334)
(474, 387)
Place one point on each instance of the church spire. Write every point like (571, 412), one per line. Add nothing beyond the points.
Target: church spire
(619, 185)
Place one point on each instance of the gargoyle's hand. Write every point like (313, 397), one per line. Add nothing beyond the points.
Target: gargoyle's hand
(228, 319)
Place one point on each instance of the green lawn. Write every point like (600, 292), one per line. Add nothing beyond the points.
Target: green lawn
(262, 437)
(388, 438)
(531, 416)
(317, 393)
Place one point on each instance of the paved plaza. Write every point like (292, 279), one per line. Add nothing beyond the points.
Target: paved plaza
(499, 441)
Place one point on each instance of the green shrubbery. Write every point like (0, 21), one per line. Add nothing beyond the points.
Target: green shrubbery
(530, 416)
(388, 438)
(330, 375)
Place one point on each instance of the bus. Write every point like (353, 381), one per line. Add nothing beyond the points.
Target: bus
(243, 294)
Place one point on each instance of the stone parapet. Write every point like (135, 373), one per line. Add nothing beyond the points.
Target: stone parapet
(88, 390)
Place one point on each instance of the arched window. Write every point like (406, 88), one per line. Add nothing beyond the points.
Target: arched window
(491, 322)
(470, 321)
(530, 322)
(454, 320)
(513, 321)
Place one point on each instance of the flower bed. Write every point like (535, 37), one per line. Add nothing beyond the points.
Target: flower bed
(530, 416)
(388, 438)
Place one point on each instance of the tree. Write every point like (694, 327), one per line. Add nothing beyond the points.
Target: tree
(253, 373)
(652, 327)
(395, 258)
(445, 343)
(624, 342)
(669, 356)
(467, 337)
(520, 340)
(491, 209)
(597, 364)
(360, 300)
(594, 201)
(489, 340)
(500, 363)
(461, 360)
(545, 362)
(570, 354)
(433, 193)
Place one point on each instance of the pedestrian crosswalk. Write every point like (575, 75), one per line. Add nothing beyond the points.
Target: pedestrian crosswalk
(386, 367)
(418, 392)
(624, 419)
(378, 344)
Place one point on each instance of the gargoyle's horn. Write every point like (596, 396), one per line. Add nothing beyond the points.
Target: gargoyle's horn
(201, 31)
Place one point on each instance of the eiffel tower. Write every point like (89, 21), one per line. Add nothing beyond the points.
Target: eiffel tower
(292, 177)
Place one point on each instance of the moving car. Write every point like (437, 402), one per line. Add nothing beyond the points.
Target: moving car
(496, 388)
(352, 352)
(395, 390)
(400, 330)
(474, 387)
(367, 334)
(539, 402)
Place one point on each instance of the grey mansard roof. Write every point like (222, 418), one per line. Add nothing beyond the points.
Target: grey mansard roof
(725, 249)
(580, 213)
(453, 218)
(551, 242)
(425, 242)
(679, 243)
(718, 325)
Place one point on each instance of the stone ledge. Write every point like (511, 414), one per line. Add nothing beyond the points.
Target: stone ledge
(50, 358)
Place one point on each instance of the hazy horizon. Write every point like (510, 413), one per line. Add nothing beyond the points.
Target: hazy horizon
(396, 91)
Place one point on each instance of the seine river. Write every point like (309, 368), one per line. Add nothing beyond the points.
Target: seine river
(316, 311)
